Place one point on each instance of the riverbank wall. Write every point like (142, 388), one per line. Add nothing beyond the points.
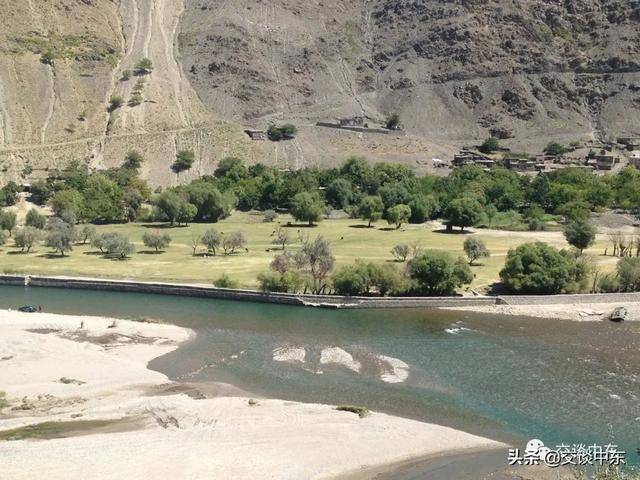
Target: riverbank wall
(307, 300)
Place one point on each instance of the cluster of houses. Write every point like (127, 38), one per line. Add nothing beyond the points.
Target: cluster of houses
(602, 161)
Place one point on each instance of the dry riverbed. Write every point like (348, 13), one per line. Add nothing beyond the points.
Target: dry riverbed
(80, 401)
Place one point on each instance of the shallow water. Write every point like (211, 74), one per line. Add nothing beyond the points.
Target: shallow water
(504, 377)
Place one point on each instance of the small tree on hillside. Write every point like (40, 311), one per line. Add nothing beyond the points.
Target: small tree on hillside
(580, 234)
(184, 161)
(144, 67)
(371, 209)
(156, 240)
(115, 102)
(393, 121)
(475, 249)
(398, 215)
(133, 160)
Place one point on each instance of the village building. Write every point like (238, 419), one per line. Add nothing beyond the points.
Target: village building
(257, 135)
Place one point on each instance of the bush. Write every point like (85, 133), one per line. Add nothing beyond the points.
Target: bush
(490, 145)
(628, 274)
(270, 215)
(284, 132)
(539, 269)
(157, 240)
(288, 282)
(35, 219)
(115, 102)
(143, 67)
(438, 273)
(225, 281)
(401, 252)
(358, 410)
(475, 249)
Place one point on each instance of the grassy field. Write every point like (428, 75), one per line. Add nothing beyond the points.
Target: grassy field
(348, 238)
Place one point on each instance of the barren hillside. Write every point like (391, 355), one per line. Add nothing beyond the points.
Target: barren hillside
(456, 71)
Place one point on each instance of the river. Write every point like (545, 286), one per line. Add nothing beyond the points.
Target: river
(508, 378)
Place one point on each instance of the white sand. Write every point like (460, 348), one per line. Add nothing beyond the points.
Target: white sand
(340, 357)
(176, 436)
(582, 312)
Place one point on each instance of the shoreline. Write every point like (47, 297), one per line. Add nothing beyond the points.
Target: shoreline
(88, 379)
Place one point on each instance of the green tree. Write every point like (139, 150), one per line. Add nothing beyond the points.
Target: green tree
(475, 249)
(68, 200)
(422, 207)
(398, 215)
(307, 207)
(156, 240)
(284, 132)
(35, 219)
(103, 200)
(317, 260)
(225, 281)
(339, 193)
(86, 233)
(8, 221)
(555, 148)
(356, 279)
(232, 169)
(233, 242)
(113, 245)
(628, 274)
(184, 161)
(60, 236)
(438, 273)
(211, 204)
(371, 209)
(537, 268)
(401, 252)
(463, 212)
(490, 145)
(175, 208)
(26, 237)
(580, 233)
(211, 240)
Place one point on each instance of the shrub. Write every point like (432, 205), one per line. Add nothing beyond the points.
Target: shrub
(401, 252)
(225, 281)
(184, 161)
(438, 273)
(288, 282)
(393, 121)
(35, 219)
(537, 268)
(284, 132)
(115, 102)
(490, 145)
(143, 67)
(157, 240)
(270, 215)
(475, 249)
(628, 274)
(555, 148)
(358, 410)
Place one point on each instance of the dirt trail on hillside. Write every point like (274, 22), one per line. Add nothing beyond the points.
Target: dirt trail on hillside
(5, 118)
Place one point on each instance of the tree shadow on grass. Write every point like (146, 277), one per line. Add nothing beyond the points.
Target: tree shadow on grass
(93, 252)
(162, 225)
(52, 256)
(362, 225)
(453, 232)
(18, 252)
(151, 252)
(388, 229)
(299, 225)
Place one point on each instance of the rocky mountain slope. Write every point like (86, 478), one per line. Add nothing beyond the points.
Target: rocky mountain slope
(455, 70)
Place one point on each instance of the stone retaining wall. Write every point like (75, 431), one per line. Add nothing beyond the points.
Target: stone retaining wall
(324, 301)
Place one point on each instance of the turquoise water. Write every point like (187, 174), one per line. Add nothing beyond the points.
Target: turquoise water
(508, 378)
